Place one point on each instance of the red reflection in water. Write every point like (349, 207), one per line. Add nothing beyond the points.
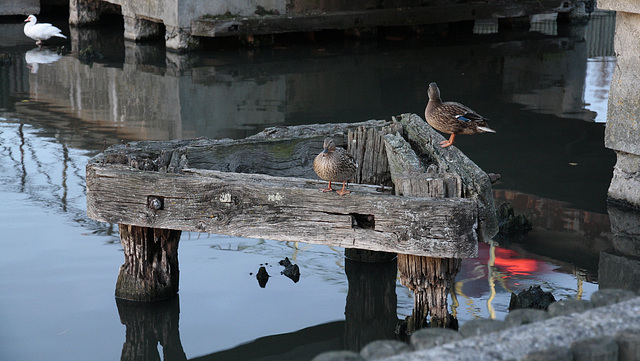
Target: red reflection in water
(510, 262)
(512, 268)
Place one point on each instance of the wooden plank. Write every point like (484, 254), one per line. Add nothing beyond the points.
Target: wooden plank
(281, 208)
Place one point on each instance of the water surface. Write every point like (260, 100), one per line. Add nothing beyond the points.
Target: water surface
(545, 92)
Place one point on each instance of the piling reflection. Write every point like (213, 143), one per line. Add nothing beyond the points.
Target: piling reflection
(149, 325)
(371, 309)
(430, 280)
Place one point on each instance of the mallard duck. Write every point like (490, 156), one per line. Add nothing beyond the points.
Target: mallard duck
(452, 118)
(40, 32)
(335, 165)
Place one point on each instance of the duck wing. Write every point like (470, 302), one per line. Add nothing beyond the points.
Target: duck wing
(461, 112)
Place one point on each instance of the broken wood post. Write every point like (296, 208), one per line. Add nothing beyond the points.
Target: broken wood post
(429, 278)
(366, 145)
(475, 182)
(150, 269)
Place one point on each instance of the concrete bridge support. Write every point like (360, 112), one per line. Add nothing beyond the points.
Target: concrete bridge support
(145, 20)
(623, 118)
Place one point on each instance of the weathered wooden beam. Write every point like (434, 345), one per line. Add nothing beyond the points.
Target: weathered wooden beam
(280, 208)
(475, 182)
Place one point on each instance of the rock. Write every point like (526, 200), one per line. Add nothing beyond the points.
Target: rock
(481, 327)
(509, 223)
(338, 356)
(88, 55)
(262, 276)
(290, 270)
(596, 348)
(534, 297)
(384, 348)
(565, 307)
(628, 344)
(525, 316)
(553, 353)
(610, 296)
(431, 337)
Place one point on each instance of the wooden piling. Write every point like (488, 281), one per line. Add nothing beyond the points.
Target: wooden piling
(430, 278)
(150, 270)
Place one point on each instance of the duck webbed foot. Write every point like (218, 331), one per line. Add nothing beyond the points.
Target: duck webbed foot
(343, 191)
(328, 189)
(446, 143)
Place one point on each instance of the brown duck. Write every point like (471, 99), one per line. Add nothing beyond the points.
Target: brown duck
(452, 118)
(335, 165)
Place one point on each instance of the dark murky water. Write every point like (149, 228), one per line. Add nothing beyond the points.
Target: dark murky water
(545, 92)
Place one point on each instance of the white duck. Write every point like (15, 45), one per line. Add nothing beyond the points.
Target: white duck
(40, 32)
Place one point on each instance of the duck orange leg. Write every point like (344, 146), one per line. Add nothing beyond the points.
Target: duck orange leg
(343, 191)
(328, 189)
(446, 143)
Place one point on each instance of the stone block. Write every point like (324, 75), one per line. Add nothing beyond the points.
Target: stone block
(628, 344)
(616, 271)
(609, 296)
(431, 337)
(524, 316)
(384, 348)
(481, 327)
(565, 307)
(623, 115)
(339, 356)
(602, 348)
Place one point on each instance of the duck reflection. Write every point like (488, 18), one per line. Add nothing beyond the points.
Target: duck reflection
(37, 56)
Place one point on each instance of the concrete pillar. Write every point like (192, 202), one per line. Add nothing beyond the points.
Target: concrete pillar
(83, 12)
(623, 117)
(137, 29)
(179, 39)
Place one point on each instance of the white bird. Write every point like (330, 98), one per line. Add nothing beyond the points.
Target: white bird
(40, 32)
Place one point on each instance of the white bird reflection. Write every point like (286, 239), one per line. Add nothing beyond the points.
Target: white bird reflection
(36, 56)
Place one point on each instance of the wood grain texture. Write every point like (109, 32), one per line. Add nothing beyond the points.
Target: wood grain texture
(430, 278)
(475, 182)
(281, 208)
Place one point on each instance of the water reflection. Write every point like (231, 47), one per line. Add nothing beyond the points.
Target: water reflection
(619, 267)
(37, 56)
(533, 86)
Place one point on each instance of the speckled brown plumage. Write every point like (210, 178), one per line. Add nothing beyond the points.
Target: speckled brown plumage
(335, 165)
(452, 118)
